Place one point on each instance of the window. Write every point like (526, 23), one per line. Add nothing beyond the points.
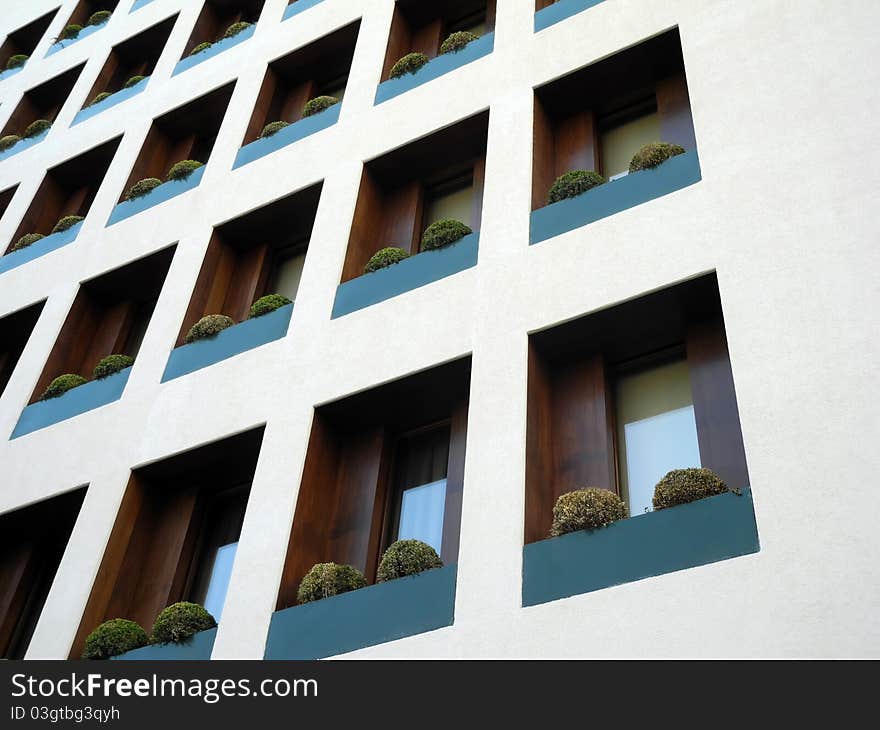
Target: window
(450, 199)
(618, 142)
(289, 272)
(473, 23)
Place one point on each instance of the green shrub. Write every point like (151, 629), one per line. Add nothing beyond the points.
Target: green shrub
(10, 140)
(70, 32)
(384, 258)
(573, 183)
(457, 41)
(113, 638)
(586, 509)
(201, 47)
(273, 128)
(681, 486)
(236, 28)
(133, 81)
(409, 64)
(102, 16)
(62, 384)
(99, 98)
(268, 303)
(182, 170)
(16, 61)
(179, 622)
(208, 326)
(67, 222)
(26, 240)
(443, 233)
(653, 154)
(407, 557)
(35, 128)
(142, 187)
(329, 579)
(112, 364)
(319, 104)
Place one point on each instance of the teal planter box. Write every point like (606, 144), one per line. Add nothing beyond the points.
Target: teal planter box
(214, 50)
(614, 197)
(87, 397)
(230, 342)
(40, 248)
(84, 33)
(110, 101)
(373, 615)
(295, 8)
(436, 68)
(10, 72)
(24, 144)
(197, 648)
(166, 191)
(138, 4)
(560, 11)
(290, 134)
(655, 543)
(412, 273)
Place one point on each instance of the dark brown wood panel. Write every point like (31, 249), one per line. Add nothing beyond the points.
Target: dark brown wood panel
(674, 111)
(42, 102)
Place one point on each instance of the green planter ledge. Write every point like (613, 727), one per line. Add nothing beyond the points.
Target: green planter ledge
(366, 617)
(655, 543)
(198, 647)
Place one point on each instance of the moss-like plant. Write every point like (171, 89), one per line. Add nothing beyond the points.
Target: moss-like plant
(16, 60)
(319, 104)
(574, 183)
(208, 326)
(179, 622)
(273, 128)
(142, 188)
(102, 16)
(113, 638)
(384, 258)
(182, 170)
(112, 364)
(407, 557)
(67, 222)
(586, 509)
(36, 128)
(329, 579)
(62, 384)
(26, 240)
(457, 41)
(70, 32)
(99, 98)
(201, 47)
(409, 64)
(236, 28)
(654, 154)
(9, 141)
(681, 486)
(268, 303)
(133, 81)
(443, 233)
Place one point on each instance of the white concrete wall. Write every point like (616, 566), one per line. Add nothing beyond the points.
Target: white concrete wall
(785, 114)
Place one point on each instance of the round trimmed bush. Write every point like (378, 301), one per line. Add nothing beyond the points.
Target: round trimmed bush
(319, 104)
(62, 384)
(653, 154)
(273, 128)
(67, 222)
(268, 303)
(35, 128)
(457, 41)
(407, 557)
(133, 81)
(681, 486)
(70, 32)
(26, 240)
(409, 64)
(384, 258)
(179, 622)
(99, 98)
(113, 638)
(112, 364)
(16, 60)
(183, 169)
(10, 140)
(586, 509)
(208, 326)
(329, 579)
(102, 16)
(236, 28)
(201, 47)
(574, 183)
(443, 233)
(142, 187)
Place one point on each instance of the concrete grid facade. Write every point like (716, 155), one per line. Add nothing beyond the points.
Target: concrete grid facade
(782, 113)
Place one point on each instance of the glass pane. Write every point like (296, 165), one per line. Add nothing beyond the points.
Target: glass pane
(618, 145)
(219, 582)
(456, 205)
(421, 514)
(289, 274)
